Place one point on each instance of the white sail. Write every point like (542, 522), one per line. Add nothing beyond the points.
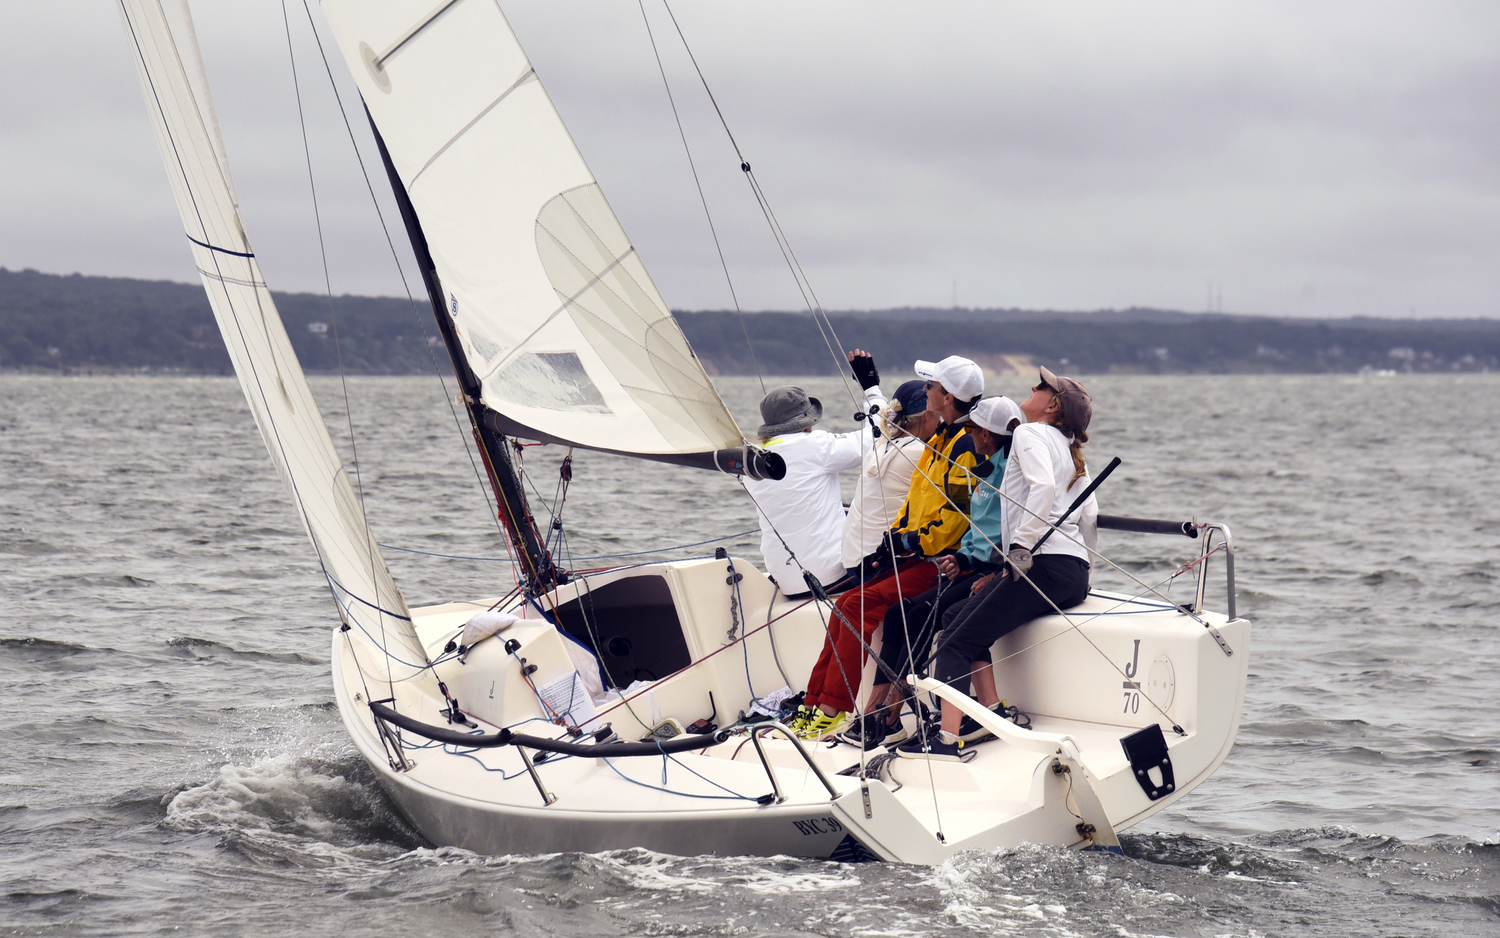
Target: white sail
(269, 373)
(553, 307)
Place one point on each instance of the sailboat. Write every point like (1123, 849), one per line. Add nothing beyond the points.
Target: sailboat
(548, 719)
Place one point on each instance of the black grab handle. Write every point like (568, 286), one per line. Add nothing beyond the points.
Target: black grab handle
(684, 743)
(1147, 525)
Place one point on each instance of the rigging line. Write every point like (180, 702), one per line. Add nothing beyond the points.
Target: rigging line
(701, 197)
(341, 588)
(638, 553)
(585, 605)
(1086, 620)
(689, 49)
(396, 259)
(942, 490)
(1092, 552)
(814, 306)
(333, 317)
(798, 275)
(759, 628)
(684, 794)
(771, 634)
(921, 725)
(809, 299)
(817, 304)
(679, 762)
(559, 499)
(1076, 627)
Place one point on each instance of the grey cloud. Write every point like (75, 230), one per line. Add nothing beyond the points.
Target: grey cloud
(1319, 159)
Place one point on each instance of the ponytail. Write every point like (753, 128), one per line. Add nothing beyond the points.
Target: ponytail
(1075, 449)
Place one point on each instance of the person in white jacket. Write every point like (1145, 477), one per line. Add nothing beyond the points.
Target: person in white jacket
(802, 515)
(1043, 477)
(885, 474)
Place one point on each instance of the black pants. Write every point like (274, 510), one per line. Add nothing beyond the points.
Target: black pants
(912, 622)
(1008, 604)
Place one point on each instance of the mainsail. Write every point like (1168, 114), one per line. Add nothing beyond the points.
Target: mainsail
(554, 311)
(273, 382)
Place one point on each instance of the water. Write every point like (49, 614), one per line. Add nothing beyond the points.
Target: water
(175, 764)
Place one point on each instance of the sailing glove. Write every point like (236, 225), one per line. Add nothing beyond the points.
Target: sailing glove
(1020, 559)
(864, 371)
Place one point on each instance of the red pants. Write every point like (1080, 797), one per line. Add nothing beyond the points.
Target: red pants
(835, 678)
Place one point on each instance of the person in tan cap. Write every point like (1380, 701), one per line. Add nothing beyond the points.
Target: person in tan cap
(1044, 475)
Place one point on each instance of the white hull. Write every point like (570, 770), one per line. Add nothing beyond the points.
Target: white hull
(514, 220)
(1009, 794)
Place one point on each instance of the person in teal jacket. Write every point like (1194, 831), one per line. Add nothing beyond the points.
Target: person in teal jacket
(909, 625)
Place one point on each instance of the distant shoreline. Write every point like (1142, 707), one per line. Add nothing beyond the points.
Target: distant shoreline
(52, 324)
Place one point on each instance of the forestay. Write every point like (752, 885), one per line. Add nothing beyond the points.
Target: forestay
(554, 310)
(269, 373)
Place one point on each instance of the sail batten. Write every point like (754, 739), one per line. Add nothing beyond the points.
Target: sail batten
(274, 385)
(551, 305)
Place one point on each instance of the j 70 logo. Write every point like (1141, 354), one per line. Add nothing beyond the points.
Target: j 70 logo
(1132, 686)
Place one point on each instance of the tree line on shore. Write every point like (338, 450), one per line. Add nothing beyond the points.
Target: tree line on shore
(75, 323)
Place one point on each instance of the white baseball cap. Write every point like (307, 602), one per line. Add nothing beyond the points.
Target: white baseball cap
(996, 413)
(958, 376)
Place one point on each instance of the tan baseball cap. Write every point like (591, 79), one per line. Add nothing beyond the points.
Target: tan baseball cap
(1077, 406)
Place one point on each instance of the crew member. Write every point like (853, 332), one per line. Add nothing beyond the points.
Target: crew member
(885, 475)
(802, 514)
(909, 624)
(1046, 472)
(931, 522)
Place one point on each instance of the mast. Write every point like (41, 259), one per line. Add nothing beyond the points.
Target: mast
(539, 573)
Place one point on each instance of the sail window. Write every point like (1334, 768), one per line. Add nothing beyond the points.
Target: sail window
(603, 288)
(484, 345)
(632, 626)
(550, 381)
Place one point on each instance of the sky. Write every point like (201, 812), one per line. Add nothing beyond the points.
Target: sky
(1303, 158)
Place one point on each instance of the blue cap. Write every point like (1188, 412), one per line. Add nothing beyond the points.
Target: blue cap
(912, 397)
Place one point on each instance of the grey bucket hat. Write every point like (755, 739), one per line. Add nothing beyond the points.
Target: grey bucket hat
(788, 410)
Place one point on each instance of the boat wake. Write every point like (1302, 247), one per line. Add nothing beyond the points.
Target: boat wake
(295, 795)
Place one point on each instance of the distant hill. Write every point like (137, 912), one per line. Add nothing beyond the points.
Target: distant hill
(77, 323)
(1125, 341)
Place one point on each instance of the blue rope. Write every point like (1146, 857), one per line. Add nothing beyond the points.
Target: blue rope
(685, 794)
(678, 761)
(638, 553)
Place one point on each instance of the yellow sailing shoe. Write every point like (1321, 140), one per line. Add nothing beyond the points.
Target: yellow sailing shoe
(822, 725)
(800, 719)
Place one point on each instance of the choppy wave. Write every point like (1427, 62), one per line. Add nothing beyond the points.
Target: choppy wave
(175, 762)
